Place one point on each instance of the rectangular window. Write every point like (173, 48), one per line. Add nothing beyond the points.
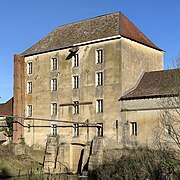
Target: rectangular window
(76, 60)
(75, 82)
(29, 110)
(99, 56)
(133, 130)
(99, 106)
(29, 68)
(75, 129)
(99, 79)
(76, 107)
(54, 84)
(54, 109)
(54, 130)
(99, 129)
(54, 63)
(29, 87)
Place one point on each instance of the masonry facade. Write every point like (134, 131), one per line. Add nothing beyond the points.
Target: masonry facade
(150, 111)
(77, 74)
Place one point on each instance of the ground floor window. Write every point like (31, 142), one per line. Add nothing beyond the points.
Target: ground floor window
(76, 107)
(75, 129)
(54, 129)
(54, 109)
(99, 129)
(133, 128)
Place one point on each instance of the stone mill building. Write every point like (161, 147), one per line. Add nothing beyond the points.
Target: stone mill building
(69, 89)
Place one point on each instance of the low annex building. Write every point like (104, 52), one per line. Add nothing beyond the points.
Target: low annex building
(6, 109)
(67, 87)
(150, 110)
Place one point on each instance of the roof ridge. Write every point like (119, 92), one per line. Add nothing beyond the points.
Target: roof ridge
(75, 22)
(155, 83)
(99, 27)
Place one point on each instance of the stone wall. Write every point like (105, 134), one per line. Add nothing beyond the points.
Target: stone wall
(123, 63)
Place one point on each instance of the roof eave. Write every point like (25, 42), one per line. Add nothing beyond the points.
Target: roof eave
(156, 48)
(73, 45)
(148, 97)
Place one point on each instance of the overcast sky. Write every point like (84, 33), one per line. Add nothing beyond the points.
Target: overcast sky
(24, 22)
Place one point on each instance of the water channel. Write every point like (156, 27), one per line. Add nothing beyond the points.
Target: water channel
(49, 177)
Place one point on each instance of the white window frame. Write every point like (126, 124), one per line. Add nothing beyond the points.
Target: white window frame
(29, 87)
(99, 78)
(100, 129)
(99, 106)
(54, 109)
(29, 68)
(54, 63)
(133, 128)
(76, 107)
(29, 110)
(76, 60)
(99, 56)
(54, 130)
(75, 130)
(75, 82)
(54, 84)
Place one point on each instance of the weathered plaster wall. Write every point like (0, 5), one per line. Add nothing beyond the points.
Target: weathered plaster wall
(124, 62)
(42, 96)
(148, 115)
(136, 59)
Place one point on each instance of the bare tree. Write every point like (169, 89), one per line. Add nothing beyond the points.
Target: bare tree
(169, 127)
(170, 120)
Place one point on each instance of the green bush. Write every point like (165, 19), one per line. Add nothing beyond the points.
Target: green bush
(140, 164)
(9, 130)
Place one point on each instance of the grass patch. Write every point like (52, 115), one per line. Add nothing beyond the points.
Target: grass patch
(13, 165)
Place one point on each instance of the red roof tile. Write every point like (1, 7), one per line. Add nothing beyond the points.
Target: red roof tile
(156, 84)
(91, 29)
(7, 108)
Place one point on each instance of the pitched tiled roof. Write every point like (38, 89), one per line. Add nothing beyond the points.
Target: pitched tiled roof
(91, 29)
(7, 108)
(156, 84)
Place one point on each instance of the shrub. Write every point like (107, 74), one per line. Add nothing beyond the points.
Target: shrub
(140, 164)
